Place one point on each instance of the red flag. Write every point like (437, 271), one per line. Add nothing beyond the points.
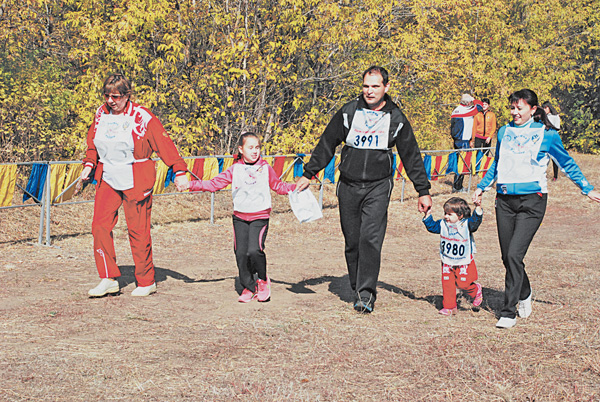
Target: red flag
(198, 168)
(278, 163)
(466, 169)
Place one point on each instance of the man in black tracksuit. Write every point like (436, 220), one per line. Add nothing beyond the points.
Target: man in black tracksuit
(370, 126)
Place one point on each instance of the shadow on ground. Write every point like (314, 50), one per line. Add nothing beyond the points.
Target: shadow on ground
(161, 274)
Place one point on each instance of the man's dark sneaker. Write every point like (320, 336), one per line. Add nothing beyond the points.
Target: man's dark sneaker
(364, 304)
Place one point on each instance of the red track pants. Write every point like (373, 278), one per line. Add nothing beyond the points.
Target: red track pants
(137, 214)
(461, 276)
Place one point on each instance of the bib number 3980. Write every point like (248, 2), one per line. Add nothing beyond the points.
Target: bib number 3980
(453, 249)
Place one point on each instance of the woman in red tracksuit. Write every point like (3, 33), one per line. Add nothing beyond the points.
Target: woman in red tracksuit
(120, 143)
(251, 180)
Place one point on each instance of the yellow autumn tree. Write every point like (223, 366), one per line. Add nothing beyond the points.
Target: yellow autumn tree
(281, 68)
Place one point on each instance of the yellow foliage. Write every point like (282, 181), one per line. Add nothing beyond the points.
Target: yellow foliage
(210, 70)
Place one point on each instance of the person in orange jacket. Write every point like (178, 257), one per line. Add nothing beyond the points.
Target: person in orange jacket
(484, 127)
(120, 143)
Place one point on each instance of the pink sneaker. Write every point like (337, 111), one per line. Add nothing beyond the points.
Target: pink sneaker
(246, 296)
(478, 297)
(264, 290)
(448, 311)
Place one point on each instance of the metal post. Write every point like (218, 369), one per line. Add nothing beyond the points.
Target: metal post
(321, 194)
(212, 208)
(42, 212)
(403, 186)
(469, 186)
(48, 204)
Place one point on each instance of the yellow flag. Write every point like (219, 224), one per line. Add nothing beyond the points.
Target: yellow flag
(57, 180)
(211, 168)
(161, 176)
(8, 178)
(73, 175)
(288, 169)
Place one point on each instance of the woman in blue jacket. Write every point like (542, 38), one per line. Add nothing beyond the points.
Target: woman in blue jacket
(523, 152)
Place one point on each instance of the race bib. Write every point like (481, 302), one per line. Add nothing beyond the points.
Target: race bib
(114, 143)
(370, 130)
(250, 188)
(455, 243)
(518, 155)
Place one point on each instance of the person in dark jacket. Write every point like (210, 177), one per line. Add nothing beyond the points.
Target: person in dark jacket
(461, 129)
(370, 126)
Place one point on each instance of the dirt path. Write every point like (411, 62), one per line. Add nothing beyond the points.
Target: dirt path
(192, 340)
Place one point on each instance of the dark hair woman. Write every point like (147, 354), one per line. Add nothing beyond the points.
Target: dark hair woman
(523, 151)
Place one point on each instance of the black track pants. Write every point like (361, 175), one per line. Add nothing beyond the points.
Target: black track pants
(249, 245)
(363, 217)
(518, 218)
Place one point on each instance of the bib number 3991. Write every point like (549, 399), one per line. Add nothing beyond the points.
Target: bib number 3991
(366, 141)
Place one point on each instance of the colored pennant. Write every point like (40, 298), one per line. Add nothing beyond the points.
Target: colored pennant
(73, 174)
(427, 163)
(211, 168)
(8, 180)
(161, 176)
(57, 180)
(36, 181)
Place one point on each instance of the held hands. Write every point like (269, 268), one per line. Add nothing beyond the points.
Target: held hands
(594, 195)
(182, 183)
(302, 183)
(85, 175)
(477, 201)
(424, 204)
(478, 208)
(477, 196)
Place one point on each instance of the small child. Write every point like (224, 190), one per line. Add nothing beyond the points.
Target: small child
(456, 250)
(250, 178)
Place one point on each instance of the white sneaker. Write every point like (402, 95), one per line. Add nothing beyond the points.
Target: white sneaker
(505, 322)
(144, 290)
(524, 307)
(106, 285)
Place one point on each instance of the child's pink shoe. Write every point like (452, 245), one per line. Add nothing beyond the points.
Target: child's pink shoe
(478, 297)
(264, 290)
(448, 311)
(246, 296)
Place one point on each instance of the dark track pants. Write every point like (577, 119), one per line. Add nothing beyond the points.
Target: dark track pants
(480, 143)
(248, 245)
(518, 218)
(363, 217)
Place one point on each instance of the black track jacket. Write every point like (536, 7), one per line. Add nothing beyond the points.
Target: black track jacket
(363, 158)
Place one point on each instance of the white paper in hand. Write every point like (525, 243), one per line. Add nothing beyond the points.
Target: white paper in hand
(305, 206)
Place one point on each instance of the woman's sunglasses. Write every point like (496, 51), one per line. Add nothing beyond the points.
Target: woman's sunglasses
(116, 98)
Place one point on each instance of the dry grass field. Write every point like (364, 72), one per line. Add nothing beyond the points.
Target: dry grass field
(192, 340)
